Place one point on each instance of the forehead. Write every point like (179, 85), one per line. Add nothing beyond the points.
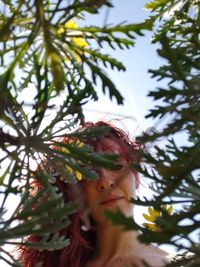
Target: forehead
(110, 145)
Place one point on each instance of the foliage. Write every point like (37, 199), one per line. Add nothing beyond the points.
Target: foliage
(49, 69)
(45, 57)
(174, 168)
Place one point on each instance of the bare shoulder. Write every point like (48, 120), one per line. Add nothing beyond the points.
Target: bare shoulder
(139, 261)
(155, 257)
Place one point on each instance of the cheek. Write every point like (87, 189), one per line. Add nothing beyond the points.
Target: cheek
(89, 192)
(129, 190)
(90, 199)
(133, 182)
(128, 186)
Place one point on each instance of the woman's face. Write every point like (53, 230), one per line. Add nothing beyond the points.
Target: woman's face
(112, 190)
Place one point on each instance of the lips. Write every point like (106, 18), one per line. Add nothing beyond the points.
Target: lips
(111, 200)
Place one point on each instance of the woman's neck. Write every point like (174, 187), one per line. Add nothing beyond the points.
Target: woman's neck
(113, 245)
(112, 241)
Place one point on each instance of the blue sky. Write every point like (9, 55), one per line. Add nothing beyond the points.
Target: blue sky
(135, 83)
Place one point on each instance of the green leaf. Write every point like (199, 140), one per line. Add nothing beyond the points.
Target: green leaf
(106, 83)
(46, 243)
(155, 4)
(117, 218)
(105, 59)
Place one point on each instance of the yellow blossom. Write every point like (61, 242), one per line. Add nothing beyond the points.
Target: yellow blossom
(61, 30)
(78, 143)
(78, 174)
(70, 24)
(153, 216)
(79, 42)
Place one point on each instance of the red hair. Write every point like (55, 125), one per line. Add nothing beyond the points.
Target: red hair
(128, 147)
(82, 243)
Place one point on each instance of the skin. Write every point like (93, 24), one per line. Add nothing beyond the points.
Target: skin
(112, 190)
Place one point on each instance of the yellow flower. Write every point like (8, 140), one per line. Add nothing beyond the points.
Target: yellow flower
(78, 175)
(79, 42)
(61, 30)
(153, 216)
(70, 24)
(78, 143)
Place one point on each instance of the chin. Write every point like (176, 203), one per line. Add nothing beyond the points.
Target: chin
(99, 217)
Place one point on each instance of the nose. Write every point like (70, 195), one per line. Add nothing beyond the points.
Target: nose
(106, 180)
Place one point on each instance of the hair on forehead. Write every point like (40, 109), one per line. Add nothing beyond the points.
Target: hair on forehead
(126, 146)
(114, 130)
